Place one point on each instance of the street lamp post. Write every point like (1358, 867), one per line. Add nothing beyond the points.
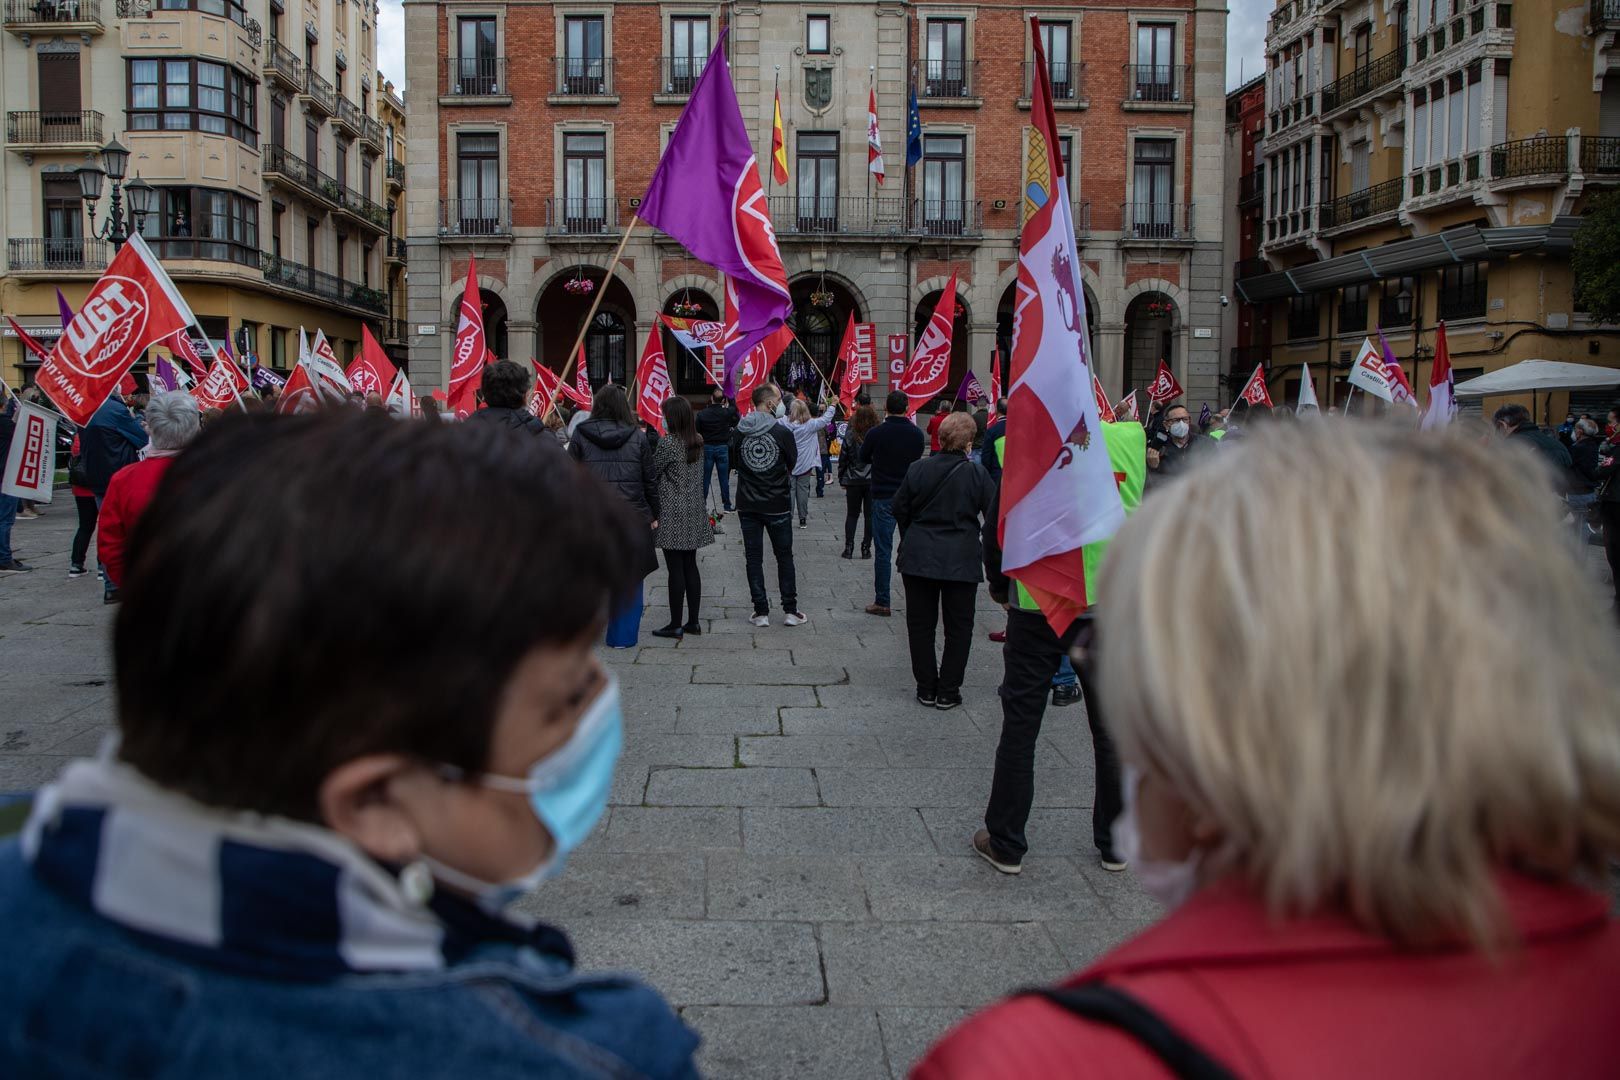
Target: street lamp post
(115, 162)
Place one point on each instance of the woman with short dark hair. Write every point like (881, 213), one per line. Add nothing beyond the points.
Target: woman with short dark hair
(683, 521)
(360, 712)
(612, 445)
(856, 480)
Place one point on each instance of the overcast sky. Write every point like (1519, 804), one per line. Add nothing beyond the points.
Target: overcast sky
(1245, 40)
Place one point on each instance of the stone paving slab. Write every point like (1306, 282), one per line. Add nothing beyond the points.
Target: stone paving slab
(934, 963)
(795, 830)
(709, 961)
(732, 787)
(816, 1043)
(672, 829)
(803, 888)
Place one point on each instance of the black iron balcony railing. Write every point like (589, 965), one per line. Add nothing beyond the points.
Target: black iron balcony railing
(350, 116)
(34, 12)
(1600, 155)
(1068, 81)
(1156, 221)
(396, 172)
(584, 76)
(394, 249)
(313, 282)
(320, 93)
(1605, 14)
(361, 206)
(474, 76)
(947, 80)
(57, 253)
(53, 128)
(475, 217)
(582, 216)
(677, 75)
(854, 215)
(278, 161)
(393, 331)
(1360, 205)
(1363, 80)
(282, 63)
(1545, 155)
(1162, 84)
(946, 217)
(371, 132)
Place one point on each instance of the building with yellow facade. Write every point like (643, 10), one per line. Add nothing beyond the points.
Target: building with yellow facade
(391, 114)
(1425, 161)
(255, 163)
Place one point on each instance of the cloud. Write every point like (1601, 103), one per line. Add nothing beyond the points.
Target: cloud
(1245, 40)
(391, 42)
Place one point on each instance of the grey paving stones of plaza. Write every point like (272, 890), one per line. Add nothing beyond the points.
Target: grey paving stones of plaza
(786, 857)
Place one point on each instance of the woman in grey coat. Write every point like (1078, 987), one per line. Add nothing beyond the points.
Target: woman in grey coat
(683, 520)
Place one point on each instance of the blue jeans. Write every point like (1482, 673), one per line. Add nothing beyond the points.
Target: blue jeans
(755, 527)
(824, 471)
(8, 515)
(883, 544)
(717, 457)
(1065, 676)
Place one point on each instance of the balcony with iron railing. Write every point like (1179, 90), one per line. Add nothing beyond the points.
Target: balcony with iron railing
(1545, 158)
(1082, 218)
(582, 217)
(66, 131)
(371, 133)
(1156, 222)
(1359, 206)
(475, 219)
(1068, 83)
(363, 209)
(1383, 74)
(393, 331)
(1251, 187)
(57, 255)
(394, 249)
(1156, 86)
(584, 79)
(349, 117)
(1289, 227)
(280, 164)
(395, 173)
(947, 81)
(319, 94)
(318, 283)
(1604, 15)
(832, 215)
(677, 75)
(474, 80)
(282, 65)
(1600, 157)
(36, 16)
(1446, 181)
(1287, 115)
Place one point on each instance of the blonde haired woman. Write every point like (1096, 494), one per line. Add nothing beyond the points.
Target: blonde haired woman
(806, 431)
(1375, 777)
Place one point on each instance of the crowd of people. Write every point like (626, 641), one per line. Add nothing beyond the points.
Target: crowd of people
(1349, 817)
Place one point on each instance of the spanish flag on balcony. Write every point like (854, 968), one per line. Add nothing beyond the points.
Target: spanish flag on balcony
(779, 169)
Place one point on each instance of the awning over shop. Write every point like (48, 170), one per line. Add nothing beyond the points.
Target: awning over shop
(1540, 375)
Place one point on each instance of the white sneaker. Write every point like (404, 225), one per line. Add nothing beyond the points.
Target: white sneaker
(762, 620)
(796, 618)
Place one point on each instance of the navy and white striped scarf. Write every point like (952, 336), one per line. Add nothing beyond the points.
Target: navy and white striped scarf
(249, 893)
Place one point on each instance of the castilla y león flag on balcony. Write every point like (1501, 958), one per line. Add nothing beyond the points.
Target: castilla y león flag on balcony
(133, 307)
(1058, 492)
(706, 194)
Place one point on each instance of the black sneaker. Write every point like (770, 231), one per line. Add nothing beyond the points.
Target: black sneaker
(15, 566)
(987, 851)
(1110, 861)
(927, 697)
(77, 571)
(111, 597)
(1065, 695)
(947, 701)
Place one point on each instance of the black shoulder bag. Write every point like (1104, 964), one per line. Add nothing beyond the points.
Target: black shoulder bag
(1102, 1004)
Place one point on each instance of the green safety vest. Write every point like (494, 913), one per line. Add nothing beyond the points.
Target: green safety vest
(1218, 434)
(1127, 453)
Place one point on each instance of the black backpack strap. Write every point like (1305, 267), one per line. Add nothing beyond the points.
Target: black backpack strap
(1107, 1005)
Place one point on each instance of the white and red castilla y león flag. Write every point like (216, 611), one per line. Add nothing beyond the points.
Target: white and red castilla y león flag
(652, 380)
(925, 377)
(1442, 386)
(1164, 388)
(874, 141)
(131, 308)
(1255, 391)
(1058, 491)
(467, 355)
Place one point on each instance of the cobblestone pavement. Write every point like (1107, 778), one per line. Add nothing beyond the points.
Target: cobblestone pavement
(787, 853)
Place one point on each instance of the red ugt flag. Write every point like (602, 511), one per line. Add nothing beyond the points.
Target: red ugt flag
(220, 387)
(1255, 391)
(652, 381)
(1164, 388)
(131, 308)
(924, 378)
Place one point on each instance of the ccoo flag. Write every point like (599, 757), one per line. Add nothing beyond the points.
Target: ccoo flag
(652, 381)
(1057, 487)
(706, 194)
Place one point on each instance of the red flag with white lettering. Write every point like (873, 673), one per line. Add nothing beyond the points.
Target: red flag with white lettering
(924, 378)
(219, 388)
(299, 395)
(1164, 388)
(580, 392)
(131, 308)
(467, 358)
(372, 372)
(31, 462)
(652, 381)
(850, 383)
(1255, 391)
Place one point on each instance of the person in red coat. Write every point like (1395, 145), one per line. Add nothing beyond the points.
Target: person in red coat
(1373, 773)
(172, 420)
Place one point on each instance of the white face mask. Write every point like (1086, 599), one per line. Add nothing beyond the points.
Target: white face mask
(781, 409)
(1179, 429)
(1170, 883)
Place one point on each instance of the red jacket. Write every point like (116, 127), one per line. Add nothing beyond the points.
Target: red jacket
(130, 489)
(79, 492)
(933, 430)
(1320, 998)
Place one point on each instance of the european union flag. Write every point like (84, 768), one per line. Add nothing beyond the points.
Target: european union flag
(913, 132)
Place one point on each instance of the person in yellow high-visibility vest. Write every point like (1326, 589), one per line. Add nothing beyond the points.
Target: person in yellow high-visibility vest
(1029, 660)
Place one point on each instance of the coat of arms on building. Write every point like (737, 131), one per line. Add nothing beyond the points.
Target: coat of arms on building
(818, 82)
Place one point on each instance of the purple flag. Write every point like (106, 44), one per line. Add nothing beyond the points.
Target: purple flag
(64, 309)
(165, 373)
(971, 390)
(706, 194)
(265, 379)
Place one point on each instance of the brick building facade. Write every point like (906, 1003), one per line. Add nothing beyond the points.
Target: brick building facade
(548, 119)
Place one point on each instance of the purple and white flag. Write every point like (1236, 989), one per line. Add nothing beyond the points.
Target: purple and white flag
(971, 390)
(706, 194)
(265, 379)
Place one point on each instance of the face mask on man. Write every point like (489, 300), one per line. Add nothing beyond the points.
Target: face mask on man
(1179, 429)
(1170, 883)
(568, 791)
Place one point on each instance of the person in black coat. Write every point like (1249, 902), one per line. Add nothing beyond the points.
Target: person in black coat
(612, 445)
(889, 449)
(940, 508)
(506, 393)
(715, 424)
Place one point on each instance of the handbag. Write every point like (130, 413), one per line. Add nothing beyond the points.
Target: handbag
(78, 475)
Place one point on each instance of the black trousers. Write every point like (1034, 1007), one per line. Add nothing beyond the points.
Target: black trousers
(779, 527)
(858, 501)
(926, 600)
(87, 528)
(1609, 513)
(1029, 660)
(685, 585)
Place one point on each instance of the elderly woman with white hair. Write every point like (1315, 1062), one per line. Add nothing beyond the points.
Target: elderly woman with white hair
(172, 421)
(1373, 772)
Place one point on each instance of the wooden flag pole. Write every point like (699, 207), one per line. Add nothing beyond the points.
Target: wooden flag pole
(579, 342)
(825, 382)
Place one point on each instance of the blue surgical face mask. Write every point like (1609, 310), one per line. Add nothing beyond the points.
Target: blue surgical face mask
(568, 790)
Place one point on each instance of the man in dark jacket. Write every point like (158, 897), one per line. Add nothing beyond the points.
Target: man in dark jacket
(111, 440)
(890, 448)
(506, 391)
(1175, 446)
(715, 424)
(992, 435)
(764, 453)
(1515, 422)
